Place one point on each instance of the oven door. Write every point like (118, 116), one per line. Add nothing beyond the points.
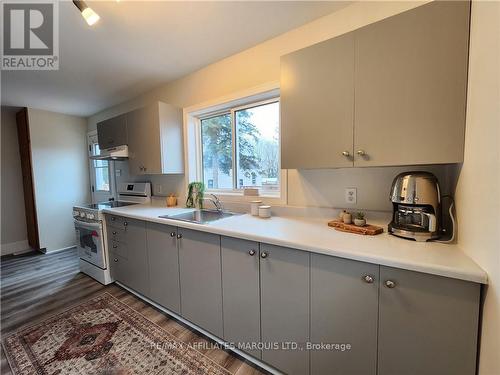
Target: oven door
(90, 243)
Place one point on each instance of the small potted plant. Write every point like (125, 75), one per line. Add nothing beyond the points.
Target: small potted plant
(359, 219)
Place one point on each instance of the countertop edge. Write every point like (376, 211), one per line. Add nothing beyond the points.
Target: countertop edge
(451, 272)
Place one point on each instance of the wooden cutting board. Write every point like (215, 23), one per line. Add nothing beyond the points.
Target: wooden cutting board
(367, 230)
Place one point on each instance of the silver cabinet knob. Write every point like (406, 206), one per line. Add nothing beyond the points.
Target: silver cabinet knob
(115, 260)
(361, 152)
(115, 246)
(252, 252)
(346, 153)
(263, 254)
(179, 236)
(114, 233)
(390, 284)
(125, 223)
(368, 279)
(172, 234)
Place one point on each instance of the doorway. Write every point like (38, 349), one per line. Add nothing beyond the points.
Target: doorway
(102, 181)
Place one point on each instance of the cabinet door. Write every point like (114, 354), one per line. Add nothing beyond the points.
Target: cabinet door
(163, 256)
(112, 132)
(344, 310)
(411, 81)
(241, 296)
(284, 276)
(200, 274)
(317, 105)
(133, 247)
(427, 324)
(144, 141)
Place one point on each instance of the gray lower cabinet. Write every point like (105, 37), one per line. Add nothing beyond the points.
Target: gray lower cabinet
(427, 324)
(163, 255)
(129, 250)
(344, 310)
(200, 279)
(241, 293)
(284, 282)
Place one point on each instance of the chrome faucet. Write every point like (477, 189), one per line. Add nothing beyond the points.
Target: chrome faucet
(216, 201)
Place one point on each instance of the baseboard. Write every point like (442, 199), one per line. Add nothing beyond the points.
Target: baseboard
(18, 247)
(45, 251)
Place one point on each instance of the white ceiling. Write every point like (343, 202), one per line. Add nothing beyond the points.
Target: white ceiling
(139, 45)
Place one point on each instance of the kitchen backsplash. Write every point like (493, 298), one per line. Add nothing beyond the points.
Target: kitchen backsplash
(321, 187)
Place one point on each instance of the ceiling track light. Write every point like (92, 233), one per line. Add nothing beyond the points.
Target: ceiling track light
(88, 14)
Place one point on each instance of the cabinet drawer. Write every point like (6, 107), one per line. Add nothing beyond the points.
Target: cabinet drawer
(115, 221)
(116, 234)
(117, 267)
(119, 248)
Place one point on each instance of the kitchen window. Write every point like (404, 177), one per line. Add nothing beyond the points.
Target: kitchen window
(240, 147)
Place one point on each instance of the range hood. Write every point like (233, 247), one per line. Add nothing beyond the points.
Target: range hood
(113, 153)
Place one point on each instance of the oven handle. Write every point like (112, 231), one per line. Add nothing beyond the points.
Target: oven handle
(84, 224)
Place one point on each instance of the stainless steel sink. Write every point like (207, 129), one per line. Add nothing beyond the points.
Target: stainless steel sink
(200, 216)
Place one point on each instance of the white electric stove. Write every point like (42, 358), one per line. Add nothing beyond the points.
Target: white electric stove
(90, 228)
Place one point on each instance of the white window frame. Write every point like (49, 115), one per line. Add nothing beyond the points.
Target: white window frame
(193, 115)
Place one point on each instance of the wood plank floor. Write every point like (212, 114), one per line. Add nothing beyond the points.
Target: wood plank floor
(35, 286)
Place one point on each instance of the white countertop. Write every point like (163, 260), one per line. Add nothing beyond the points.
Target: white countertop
(315, 236)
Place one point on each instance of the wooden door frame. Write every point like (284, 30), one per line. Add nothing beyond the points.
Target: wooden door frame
(25, 154)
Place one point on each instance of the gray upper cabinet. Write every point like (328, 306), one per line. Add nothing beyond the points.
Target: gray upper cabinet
(390, 93)
(317, 105)
(163, 256)
(344, 309)
(427, 324)
(112, 132)
(284, 283)
(200, 274)
(411, 83)
(241, 292)
(155, 140)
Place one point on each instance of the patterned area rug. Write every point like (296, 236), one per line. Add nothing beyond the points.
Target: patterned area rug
(102, 336)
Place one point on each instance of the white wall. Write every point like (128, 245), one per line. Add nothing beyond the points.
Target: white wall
(60, 172)
(14, 237)
(478, 190)
(260, 65)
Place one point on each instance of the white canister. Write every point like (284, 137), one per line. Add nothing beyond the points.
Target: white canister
(254, 207)
(265, 212)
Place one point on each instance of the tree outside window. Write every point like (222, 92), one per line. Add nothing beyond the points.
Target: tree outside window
(255, 156)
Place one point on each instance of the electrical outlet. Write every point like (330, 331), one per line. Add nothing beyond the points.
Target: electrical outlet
(350, 195)
(158, 189)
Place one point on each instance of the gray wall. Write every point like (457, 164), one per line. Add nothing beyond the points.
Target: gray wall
(13, 222)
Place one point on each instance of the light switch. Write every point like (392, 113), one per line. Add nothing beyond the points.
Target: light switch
(350, 195)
